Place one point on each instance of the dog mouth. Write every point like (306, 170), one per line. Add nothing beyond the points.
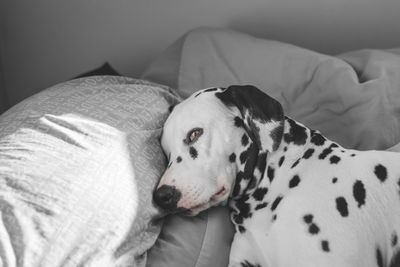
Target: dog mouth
(220, 193)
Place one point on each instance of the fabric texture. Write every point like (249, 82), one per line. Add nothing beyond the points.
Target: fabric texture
(204, 240)
(78, 164)
(351, 98)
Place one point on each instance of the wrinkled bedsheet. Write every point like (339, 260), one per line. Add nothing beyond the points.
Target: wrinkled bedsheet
(352, 98)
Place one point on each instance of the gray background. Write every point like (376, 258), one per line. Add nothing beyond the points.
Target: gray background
(43, 42)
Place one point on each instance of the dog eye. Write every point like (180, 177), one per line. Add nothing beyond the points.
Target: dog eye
(193, 135)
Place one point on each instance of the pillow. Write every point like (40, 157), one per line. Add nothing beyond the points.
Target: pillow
(201, 241)
(78, 164)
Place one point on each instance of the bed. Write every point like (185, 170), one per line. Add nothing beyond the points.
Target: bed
(79, 161)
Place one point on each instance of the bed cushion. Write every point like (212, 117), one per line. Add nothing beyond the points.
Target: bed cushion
(78, 164)
(352, 98)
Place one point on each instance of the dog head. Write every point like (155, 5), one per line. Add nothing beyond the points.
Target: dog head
(212, 137)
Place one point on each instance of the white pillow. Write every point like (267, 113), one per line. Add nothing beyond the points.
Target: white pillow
(78, 164)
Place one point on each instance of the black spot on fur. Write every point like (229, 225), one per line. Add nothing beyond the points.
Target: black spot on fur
(239, 122)
(294, 181)
(241, 229)
(325, 153)
(297, 134)
(276, 203)
(237, 219)
(179, 159)
(259, 193)
(245, 140)
(274, 217)
(308, 153)
(243, 206)
(295, 163)
(394, 239)
(252, 184)
(254, 131)
(249, 156)
(325, 245)
(250, 165)
(236, 189)
(333, 145)
(359, 193)
(381, 172)
(341, 206)
(271, 173)
(313, 229)
(232, 157)
(334, 159)
(193, 152)
(308, 218)
(285, 149)
(334, 180)
(281, 160)
(243, 156)
(261, 206)
(262, 162)
(353, 155)
(317, 139)
(251, 162)
(276, 136)
(379, 259)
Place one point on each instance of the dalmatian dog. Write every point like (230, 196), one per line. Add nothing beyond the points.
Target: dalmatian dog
(296, 198)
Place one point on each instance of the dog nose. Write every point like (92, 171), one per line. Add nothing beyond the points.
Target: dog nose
(167, 197)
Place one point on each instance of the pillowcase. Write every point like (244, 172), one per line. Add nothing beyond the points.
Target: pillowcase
(78, 164)
(201, 241)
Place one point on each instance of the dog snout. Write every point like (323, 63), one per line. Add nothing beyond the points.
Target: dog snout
(167, 197)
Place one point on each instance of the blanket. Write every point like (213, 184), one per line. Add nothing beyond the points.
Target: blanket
(352, 98)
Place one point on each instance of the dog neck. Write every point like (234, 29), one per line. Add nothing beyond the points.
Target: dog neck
(259, 165)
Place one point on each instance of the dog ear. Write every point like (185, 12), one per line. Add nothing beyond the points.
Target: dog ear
(261, 114)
